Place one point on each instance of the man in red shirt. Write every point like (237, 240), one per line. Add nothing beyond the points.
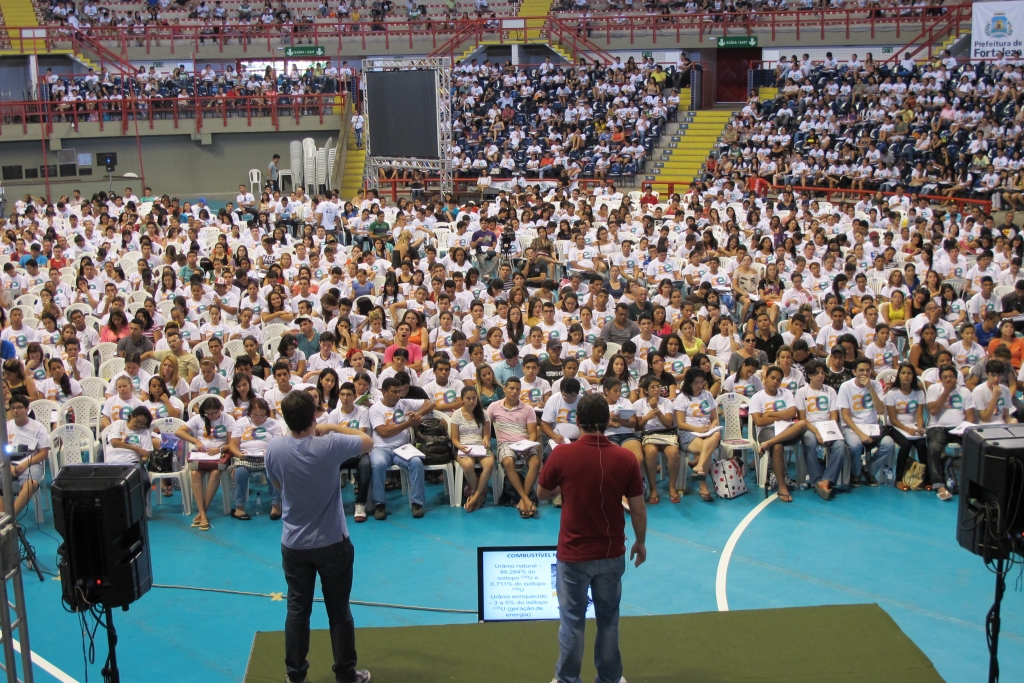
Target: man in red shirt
(593, 475)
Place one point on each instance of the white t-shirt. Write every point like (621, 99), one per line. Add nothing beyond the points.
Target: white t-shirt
(881, 358)
(958, 403)
(655, 425)
(254, 439)
(359, 418)
(26, 440)
(449, 393)
(119, 430)
(722, 346)
(743, 387)
(817, 404)
(562, 416)
(982, 395)
(696, 410)
(220, 430)
(762, 402)
(622, 404)
(967, 356)
(533, 392)
(381, 415)
(859, 402)
(905, 405)
(219, 385)
(115, 408)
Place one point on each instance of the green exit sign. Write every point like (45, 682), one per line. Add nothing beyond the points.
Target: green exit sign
(305, 51)
(887, 50)
(737, 41)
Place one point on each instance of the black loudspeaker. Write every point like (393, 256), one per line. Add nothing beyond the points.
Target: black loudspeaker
(991, 510)
(100, 512)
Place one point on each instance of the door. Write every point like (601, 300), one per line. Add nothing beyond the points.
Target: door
(732, 67)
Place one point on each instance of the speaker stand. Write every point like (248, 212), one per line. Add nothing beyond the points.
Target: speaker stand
(27, 552)
(992, 625)
(109, 671)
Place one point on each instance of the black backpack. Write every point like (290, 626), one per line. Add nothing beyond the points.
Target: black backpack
(434, 441)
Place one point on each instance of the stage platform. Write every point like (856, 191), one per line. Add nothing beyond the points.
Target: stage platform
(832, 644)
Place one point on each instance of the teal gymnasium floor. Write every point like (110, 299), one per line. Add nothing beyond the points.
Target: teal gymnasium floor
(872, 546)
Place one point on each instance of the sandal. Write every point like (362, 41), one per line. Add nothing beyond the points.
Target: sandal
(706, 496)
(945, 495)
(195, 522)
(697, 474)
(205, 526)
(653, 499)
(675, 498)
(168, 491)
(245, 517)
(786, 497)
(901, 486)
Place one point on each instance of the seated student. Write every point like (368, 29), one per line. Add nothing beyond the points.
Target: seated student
(130, 442)
(817, 402)
(515, 420)
(859, 401)
(390, 418)
(696, 414)
(774, 412)
(208, 432)
(348, 414)
(882, 352)
(931, 375)
(992, 399)
(470, 426)
(949, 405)
(29, 445)
(444, 389)
(119, 406)
(904, 403)
(249, 438)
(558, 421)
(656, 421)
(209, 381)
(274, 394)
(621, 430)
(134, 372)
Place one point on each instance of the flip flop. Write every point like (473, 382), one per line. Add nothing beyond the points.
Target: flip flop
(244, 517)
(205, 526)
(195, 522)
(945, 495)
(706, 496)
(786, 497)
(676, 498)
(824, 494)
(653, 500)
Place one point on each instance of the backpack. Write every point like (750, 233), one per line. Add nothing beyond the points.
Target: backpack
(434, 441)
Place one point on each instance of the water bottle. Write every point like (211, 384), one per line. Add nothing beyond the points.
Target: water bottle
(259, 503)
(890, 477)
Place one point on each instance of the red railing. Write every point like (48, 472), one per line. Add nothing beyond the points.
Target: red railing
(596, 29)
(932, 34)
(148, 110)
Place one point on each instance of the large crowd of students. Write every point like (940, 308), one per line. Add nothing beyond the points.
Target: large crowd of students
(894, 319)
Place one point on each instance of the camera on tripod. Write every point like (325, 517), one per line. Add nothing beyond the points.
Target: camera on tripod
(508, 238)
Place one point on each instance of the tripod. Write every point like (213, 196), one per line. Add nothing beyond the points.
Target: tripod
(992, 623)
(110, 672)
(28, 553)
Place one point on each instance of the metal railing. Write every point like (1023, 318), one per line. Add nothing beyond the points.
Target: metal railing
(591, 32)
(200, 111)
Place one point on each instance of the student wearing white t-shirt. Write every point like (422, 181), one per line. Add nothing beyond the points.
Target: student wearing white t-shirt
(696, 415)
(949, 405)
(904, 404)
(817, 402)
(725, 342)
(993, 400)
(348, 414)
(967, 352)
(656, 421)
(29, 446)
(558, 421)
(774, 413)
(882, 352)
(130, 442)
(860, 399)
(208, 432)
(248, 441)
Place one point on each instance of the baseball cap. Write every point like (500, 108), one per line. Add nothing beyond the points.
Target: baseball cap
(839, 349)
(554, 343)
(221, 281)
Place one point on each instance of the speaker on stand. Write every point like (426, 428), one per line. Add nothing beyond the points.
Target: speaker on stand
(990, 519)
(100, 512)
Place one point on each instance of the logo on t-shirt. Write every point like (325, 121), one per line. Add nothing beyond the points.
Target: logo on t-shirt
(863, 402)
(956, 402)
(254, 434)
(819, 404)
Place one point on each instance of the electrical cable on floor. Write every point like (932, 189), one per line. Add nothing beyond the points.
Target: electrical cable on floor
(279, 596)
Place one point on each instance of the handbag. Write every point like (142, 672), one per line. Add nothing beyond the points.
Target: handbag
(913, 476)
(727, 476)
(161, 461)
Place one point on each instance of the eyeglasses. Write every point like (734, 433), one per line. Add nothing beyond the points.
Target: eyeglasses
(750, 340)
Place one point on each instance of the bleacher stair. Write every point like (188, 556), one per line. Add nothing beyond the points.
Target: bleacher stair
(352, 174)
(22, 14)
(684, 148)
(534, 8)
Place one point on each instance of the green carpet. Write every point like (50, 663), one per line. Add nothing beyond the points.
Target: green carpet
(841, 644)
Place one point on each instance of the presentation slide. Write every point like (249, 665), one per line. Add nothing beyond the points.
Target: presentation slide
(516, 584)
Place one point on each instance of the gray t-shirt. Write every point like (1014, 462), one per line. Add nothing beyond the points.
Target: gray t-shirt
(736, 360)
(127, 347)
(307, 470)
(612, 333)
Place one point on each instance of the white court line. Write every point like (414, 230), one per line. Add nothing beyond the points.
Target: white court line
(46, 666)
(723, 561)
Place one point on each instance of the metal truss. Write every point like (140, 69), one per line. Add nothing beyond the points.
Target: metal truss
(440, 167)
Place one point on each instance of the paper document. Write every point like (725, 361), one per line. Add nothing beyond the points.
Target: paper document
(408, 452)
(704, 435)
(870, 429)
(829, 431)
(204, 456)
(523, 445)
(477, 451)
(625, 414)
(959, 430)
(781, 426)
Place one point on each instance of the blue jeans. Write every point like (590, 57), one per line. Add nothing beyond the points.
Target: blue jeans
(858, 449)
(836, 451)
(383, 457)
(604, 578)
(359, 137)
(241, 478)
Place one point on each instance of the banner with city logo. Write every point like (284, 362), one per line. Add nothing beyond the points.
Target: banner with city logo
(997, 27)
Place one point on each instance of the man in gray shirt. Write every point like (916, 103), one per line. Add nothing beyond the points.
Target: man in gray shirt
(620, 329)
(314, 539)
(135, 342)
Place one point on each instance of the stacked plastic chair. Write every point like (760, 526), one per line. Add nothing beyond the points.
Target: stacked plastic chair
(295, 155)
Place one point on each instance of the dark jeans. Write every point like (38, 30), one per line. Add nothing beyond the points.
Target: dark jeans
(604, 579)
(363, 471)
(334, 564)
(905, 446)
(938, 438)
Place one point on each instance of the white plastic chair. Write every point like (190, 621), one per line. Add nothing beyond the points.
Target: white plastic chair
(274, 330)
(104, 351)
(69, 441)
(763, 460)
(270, 348)
(194, 403)
(86, 412)
(45, 412)
(110, 368)
(94, 388)
(732, 432)
(612, 349)
(255, 181)
(150, 366)
(234, 348)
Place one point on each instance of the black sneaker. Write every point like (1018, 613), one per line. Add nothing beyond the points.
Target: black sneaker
(362, 676)
(379, 513)
(854, 482)
(417, 510)
(869, 478)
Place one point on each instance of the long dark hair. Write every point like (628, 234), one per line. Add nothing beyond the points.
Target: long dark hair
(235, 397)
(210, 403)
(335, 395)
(914, 385)
(689, 377)
(478, 410)
(65, 379)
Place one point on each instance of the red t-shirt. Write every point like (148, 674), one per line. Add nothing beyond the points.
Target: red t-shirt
(586, 532)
